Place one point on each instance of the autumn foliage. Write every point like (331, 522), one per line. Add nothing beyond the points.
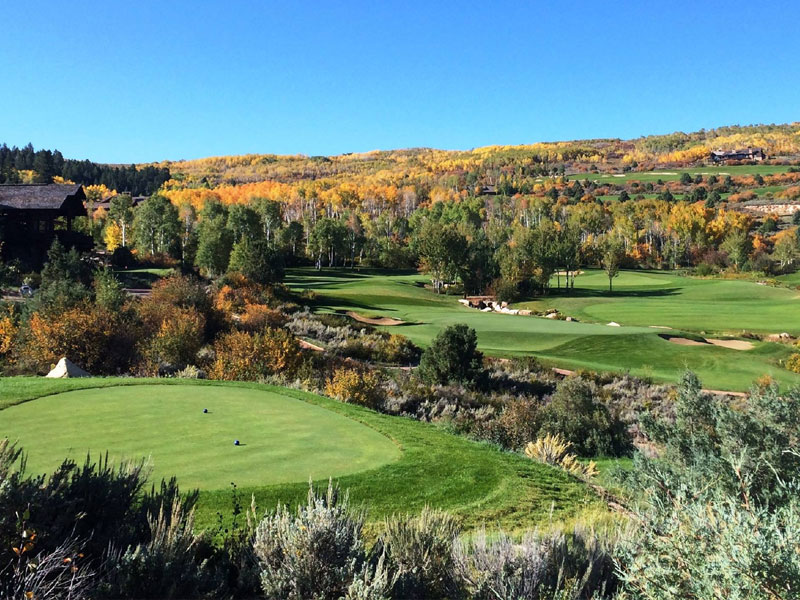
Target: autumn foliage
(354, 385)
(91, 337)
(244, 356)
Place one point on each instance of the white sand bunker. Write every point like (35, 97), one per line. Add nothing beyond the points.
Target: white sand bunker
(377, 321)
(730, 344)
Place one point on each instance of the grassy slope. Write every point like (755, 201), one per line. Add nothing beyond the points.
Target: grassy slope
(167, 424)
(642, 299)
(476, 482)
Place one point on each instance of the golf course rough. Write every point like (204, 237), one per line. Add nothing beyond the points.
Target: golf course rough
(282, 439)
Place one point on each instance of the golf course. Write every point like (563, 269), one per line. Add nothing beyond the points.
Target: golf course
(651, 307)
(287, 438)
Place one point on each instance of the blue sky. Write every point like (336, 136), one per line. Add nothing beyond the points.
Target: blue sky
(143, 81)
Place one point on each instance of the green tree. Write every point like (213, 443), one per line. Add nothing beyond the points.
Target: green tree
(243, 222)
(257, 260)
(214, 240)
(737, 244)
(452, 357)
(443, 252)
(269, 213)
(62, 280)
(157, 226)
(786, 249)
(328, 239)
(291, 237)
(108, 291)
(613, 254)
(121, 212)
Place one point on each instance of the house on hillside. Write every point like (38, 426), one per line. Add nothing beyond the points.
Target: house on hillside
(756, 154)
(105, 205)
(33, 215)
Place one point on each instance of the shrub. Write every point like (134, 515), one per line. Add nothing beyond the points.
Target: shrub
(793, 363)
(178, 339)
(584, 422)
(419, 554)
(398, 349)
(257, 317)
(241, 356)
(8, 330)
(568, 566)
(96, 503)
(191, 372)
(356, 386)
(554, 450)
(164, 566)
(717, 547)
(59, 573)
(520, 420)
(93, 338)
(452, 357)
(316, 553)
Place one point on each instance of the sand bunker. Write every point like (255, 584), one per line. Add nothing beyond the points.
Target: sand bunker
(386, 321)
(681, 341)
(730, 344)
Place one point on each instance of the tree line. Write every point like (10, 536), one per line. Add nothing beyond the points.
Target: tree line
(26, 165)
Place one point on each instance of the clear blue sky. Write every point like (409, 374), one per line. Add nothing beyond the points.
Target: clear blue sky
(141, 81)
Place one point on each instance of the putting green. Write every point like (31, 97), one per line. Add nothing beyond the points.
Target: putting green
(282, 439)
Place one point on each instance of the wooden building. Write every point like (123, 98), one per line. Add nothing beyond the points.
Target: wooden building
(33, 215)
(754, 154)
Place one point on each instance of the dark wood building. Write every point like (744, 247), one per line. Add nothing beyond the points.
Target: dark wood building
(33, 215)
(755, 154)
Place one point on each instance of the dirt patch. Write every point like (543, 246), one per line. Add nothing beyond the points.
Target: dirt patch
(732, 344)
(309, 346)
(386, 321)
(659, 327)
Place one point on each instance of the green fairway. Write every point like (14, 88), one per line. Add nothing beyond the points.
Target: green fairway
(661, 298)
(641, 301)
(282, 439)
(414, 464)
(675, 174)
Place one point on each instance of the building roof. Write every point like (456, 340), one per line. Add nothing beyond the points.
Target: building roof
(745, 151)
(44, 196)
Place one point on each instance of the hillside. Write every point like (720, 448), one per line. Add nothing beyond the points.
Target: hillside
(488, 164)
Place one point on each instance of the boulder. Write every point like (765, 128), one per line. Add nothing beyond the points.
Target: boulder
(66, 368)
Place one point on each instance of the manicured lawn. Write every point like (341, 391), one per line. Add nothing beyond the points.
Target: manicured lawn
(641, 300)
(282, 439)
(419, 463)
(660, 298)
